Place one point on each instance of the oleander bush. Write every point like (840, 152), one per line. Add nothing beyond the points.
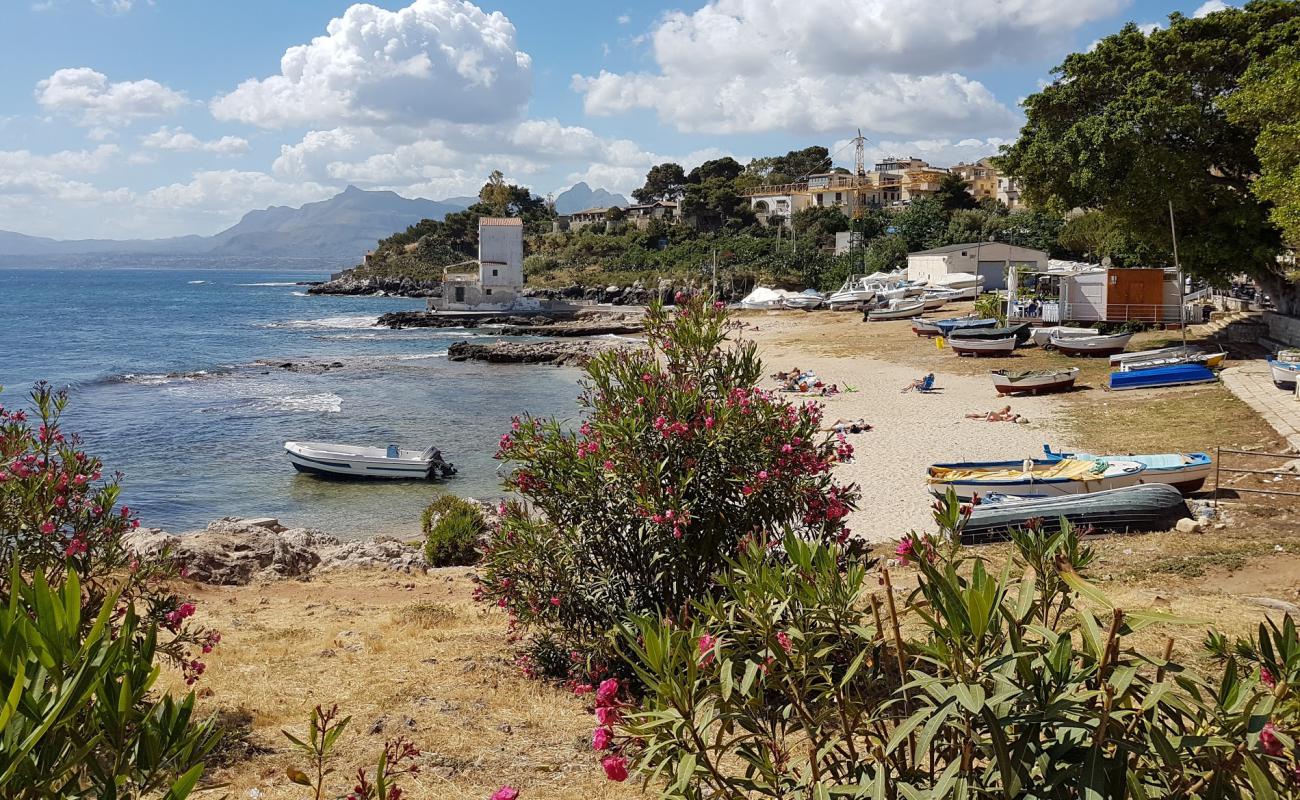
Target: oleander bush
(452, 528)
(83, 623)
(806, 675)
(81, 717)
(678, 460)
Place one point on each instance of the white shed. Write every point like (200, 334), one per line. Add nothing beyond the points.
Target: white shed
(989, 260)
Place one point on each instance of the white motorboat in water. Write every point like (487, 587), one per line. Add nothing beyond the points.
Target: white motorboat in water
(897, 309)
(1043, 336)
(352, 461)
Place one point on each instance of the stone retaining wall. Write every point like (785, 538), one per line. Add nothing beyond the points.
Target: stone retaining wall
(1283, 328)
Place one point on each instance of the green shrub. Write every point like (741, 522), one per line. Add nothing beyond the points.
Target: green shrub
(797, 680)
(452, 528)
(81, 717)
(678, 460)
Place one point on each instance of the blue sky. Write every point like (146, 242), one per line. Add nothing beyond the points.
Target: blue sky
(129, 118)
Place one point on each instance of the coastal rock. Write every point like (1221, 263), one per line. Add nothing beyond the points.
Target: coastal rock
(349, 284)
(382, 551)
(233, 552)
(579, 325)
(1189, 525)
(575, 353)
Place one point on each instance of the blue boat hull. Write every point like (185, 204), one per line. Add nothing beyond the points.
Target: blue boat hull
(947, 326)
(1177, 375)
(1186, 472)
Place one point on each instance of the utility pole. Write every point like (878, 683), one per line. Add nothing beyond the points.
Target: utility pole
(715, 273)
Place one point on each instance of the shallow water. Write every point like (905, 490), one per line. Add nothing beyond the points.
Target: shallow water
(176, 381)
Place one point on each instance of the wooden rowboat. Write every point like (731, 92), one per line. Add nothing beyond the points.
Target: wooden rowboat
(922, 327)
(1092, 345)
(898, 309)
(983, 347)
(1036, 382)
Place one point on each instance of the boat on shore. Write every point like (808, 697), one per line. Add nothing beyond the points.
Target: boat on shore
(897, 309)
(925, 327)
(856, 291)
(947, 326)
(806, 300)
(974, 346)
(1186, 472)
(1285, 368)
(1147, 507)
(1176, 375)
(1103, 345)
(1033, 382)
(1167, 357)
(1019, 332)
(351, 461)
(1033, 478)
(1043, 336)
(933, 303)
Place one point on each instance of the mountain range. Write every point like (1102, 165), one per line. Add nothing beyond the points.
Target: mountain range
(581, 197)
(340, 229)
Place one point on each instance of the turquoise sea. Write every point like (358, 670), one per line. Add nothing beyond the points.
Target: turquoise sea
(176, 381)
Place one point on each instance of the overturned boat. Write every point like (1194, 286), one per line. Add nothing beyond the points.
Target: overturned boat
(352, 461)
(1186, 472)
(1169, 357)
(1033, 478)
(1149, 507)
(1156, 377)
(1007, 381)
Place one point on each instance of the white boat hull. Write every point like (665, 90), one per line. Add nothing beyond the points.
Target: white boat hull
(1034, 384)
(1119, 475)
(983, 347)
(1043, 336)
(1091, 345)
(1284, 374)
(905, 310)
(802, 303)
(346, 461)
(854, 298)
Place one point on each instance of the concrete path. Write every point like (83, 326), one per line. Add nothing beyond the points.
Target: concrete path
(1253, 383)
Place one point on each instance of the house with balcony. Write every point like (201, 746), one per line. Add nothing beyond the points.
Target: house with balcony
(499, 283)
(581, 219)
(642, 214)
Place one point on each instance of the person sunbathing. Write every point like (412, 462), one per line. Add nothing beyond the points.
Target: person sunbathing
(830, 391)
(849, 426)
(1003, 414)
(921, 384)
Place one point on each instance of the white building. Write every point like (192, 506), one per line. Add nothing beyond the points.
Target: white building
(989, 260)
(499, 284)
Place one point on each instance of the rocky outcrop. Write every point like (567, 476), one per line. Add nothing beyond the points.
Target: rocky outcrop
(575, 353)
(349, 284)
(567, 325)
(234, 551)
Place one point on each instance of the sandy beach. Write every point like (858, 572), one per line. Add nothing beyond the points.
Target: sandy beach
(909, 430)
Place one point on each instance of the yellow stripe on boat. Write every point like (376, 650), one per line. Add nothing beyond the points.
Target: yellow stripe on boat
(1070, 469)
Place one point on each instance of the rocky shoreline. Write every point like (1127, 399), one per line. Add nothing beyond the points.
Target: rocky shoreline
(560, 325)
(234, 552)
(560, 354)
(377, 286)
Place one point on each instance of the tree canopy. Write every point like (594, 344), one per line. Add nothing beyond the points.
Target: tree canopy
(664, 181)
(1141, 121)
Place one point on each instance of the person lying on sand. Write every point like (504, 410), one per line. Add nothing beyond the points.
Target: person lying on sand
(849, 426)
(1003, 414)
(830, 391)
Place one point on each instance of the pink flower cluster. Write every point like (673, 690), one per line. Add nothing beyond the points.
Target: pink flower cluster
(608, 712)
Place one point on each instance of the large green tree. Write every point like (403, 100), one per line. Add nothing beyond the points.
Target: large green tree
(1140, 121)
(663, 182)
(953, 195)
(1269, 99)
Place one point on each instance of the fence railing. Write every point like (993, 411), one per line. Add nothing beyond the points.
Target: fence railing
(1219, 452)
(1110, 312)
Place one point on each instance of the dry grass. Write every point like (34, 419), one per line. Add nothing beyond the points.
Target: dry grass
(413, 651)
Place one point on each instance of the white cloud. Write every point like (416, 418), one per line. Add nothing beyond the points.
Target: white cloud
(89, 97)
(624, 19)
(25, 176)
(1209, 7)
(433, 60)
(178, 139)
(938, 152)
(758, 65)
(233, 192)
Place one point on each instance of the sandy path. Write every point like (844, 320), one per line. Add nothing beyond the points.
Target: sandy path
(911, 431)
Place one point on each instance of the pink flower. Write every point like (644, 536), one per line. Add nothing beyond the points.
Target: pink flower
(47, 527)
(555, 601)
(607, 692)
(1266, 677)
(505, 793)
(706, 645)
(904, 550)
(1268, 741)
(607, 715)
(615, 768)
(608, 465)
(600, 739)
(581, 689)
(783, 639)
(762, 475)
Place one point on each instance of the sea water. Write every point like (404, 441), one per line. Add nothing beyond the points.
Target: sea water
(177, 380)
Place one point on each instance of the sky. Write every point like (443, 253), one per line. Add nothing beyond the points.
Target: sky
(151, 118)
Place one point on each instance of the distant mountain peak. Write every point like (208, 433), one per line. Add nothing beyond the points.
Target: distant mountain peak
(580, 197)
